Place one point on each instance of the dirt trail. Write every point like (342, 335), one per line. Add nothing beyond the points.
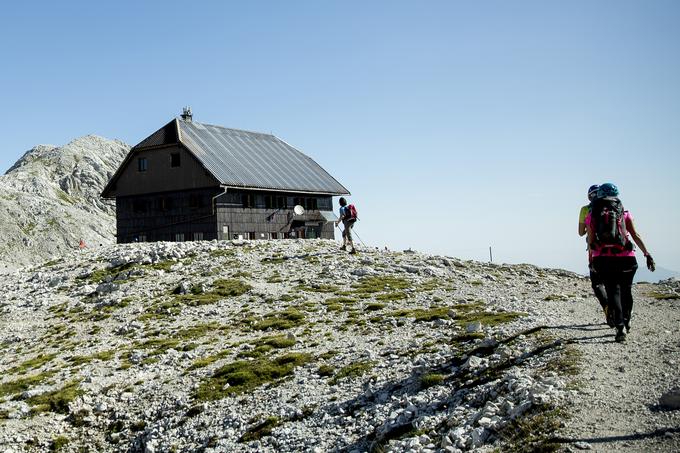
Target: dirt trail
(617, 407)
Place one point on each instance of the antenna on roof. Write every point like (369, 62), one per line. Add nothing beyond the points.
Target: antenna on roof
(186, 114)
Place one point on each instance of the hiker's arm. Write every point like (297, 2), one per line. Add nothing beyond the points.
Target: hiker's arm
(636, 237)
(589, 230)
(582, 221)
(337, 222)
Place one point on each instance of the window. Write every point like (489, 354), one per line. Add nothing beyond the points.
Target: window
(142, 164)
(281, 202)
(142, 237)
(268, 201)
(311, 204)
(198, 236)
(274, 236)
(247, 200)
(174, 159)
(179, 237)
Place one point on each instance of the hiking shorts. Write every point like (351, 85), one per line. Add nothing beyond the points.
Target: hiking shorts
(347, 232)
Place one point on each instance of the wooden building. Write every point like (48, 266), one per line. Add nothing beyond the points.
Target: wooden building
(190, 181)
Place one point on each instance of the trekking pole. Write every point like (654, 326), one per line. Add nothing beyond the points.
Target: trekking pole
(362, 242)
(355, 233)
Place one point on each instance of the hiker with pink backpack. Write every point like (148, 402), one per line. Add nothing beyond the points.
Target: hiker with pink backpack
(348, 217)
(609, 226)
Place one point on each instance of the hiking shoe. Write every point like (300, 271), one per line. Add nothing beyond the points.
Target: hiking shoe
(626, 323)
(344, 247)
(620, 336)
(353, 252)
(609, 314)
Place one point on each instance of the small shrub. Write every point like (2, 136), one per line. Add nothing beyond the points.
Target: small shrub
(325, 370)
(59, 443)
(431, 379)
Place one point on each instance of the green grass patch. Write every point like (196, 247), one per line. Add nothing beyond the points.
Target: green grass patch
(159, 345)
(663, 295)
(487, 318)
(318, 288)
(244, 376)
(352, 370)
(423, 314)
(281, 320)
(222, 288)
(375, 307)
(266, 344)
(221, 253)
(208, 360)
(260, 430)
(391, 296)
(533, 432)
(199, 330)
(274, 278)
(32, 364)
(23, 384)
(82, 359)
(274, 260)
(59, 443)
(57, 400)
(431, 379)
(325, 371)
(376, 284)
(429, 285)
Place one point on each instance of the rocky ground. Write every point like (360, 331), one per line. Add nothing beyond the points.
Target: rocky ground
(292, 346)
(49, 200)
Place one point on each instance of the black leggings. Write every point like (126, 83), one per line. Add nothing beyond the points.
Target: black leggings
(598, 288)
(617, 275)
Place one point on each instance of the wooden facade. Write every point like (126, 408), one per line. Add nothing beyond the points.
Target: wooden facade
(164, 192)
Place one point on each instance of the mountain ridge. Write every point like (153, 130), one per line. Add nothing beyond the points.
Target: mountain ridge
(50, 200)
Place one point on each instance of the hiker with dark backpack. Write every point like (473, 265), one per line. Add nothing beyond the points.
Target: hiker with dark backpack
(595, 280)
(609, 225)
(348, 217)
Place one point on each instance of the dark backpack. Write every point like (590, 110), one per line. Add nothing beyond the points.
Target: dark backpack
(351, 212)
(609, 226)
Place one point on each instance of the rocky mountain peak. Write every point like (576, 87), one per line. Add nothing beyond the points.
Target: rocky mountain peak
(50, 199)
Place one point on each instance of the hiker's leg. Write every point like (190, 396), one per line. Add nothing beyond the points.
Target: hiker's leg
(626, 283)
(348, 230)
(610, 278)
(598, 288)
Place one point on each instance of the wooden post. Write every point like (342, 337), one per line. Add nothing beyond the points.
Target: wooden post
(490, 255)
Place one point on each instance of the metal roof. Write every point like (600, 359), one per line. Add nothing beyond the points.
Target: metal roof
(253, 160)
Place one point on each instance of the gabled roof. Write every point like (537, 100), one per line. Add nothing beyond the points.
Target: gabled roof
(242, 159)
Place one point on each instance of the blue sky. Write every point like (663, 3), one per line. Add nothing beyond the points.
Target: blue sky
(456, 125)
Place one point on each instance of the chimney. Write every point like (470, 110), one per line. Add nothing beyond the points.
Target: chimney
(186, 114)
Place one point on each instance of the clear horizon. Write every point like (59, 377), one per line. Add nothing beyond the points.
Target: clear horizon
(455, 126)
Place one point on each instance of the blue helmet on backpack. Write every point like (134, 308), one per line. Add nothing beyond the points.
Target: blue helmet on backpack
(607, 190)
(592, 191)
